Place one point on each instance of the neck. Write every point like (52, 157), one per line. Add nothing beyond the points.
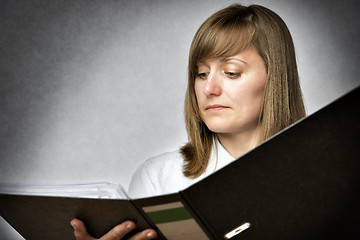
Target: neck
(237, 144)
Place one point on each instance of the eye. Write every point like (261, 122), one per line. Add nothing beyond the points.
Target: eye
(202, 76)
(232, 75)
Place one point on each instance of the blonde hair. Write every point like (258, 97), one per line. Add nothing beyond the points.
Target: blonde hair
(227, 33)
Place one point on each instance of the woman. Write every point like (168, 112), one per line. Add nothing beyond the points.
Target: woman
(243, 87)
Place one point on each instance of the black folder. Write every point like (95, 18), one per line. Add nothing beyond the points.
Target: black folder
(303, 183)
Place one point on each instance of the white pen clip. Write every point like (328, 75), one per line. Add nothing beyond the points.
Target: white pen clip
(237, 230)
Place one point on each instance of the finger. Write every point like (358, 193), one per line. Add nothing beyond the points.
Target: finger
(119, 231)
(144, 235)
(80, 231)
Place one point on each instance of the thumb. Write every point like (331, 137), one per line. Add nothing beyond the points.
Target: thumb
(80, 231)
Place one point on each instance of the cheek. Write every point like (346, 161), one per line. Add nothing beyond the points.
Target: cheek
(256, 97)
(249, 96)
(198, 91)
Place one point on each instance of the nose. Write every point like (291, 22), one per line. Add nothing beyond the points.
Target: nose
(212, 86)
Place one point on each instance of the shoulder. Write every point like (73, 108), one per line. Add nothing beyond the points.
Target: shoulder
(163, 174)
(150, 177)
(158, 167)
(163, 161)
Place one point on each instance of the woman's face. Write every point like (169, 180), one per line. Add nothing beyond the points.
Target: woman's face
(230, 91)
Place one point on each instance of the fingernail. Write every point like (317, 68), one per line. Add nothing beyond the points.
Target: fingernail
(129, 226)
(149, 235)
(72, 225)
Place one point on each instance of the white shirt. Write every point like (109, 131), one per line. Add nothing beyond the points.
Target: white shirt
(163, 174)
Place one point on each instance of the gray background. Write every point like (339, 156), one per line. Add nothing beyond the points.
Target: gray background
(91, 89)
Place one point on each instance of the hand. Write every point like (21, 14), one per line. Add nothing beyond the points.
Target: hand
(116, 233)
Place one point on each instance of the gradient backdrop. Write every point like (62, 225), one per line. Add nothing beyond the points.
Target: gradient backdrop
(91, 89)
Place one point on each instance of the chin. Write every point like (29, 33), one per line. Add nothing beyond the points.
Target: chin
(218, 129)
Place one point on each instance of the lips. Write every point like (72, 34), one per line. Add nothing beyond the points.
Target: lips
(215, 107)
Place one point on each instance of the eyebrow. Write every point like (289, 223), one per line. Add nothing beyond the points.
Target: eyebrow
(233, 58)
(203, 62)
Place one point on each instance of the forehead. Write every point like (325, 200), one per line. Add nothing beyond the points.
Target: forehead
(247, 56)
